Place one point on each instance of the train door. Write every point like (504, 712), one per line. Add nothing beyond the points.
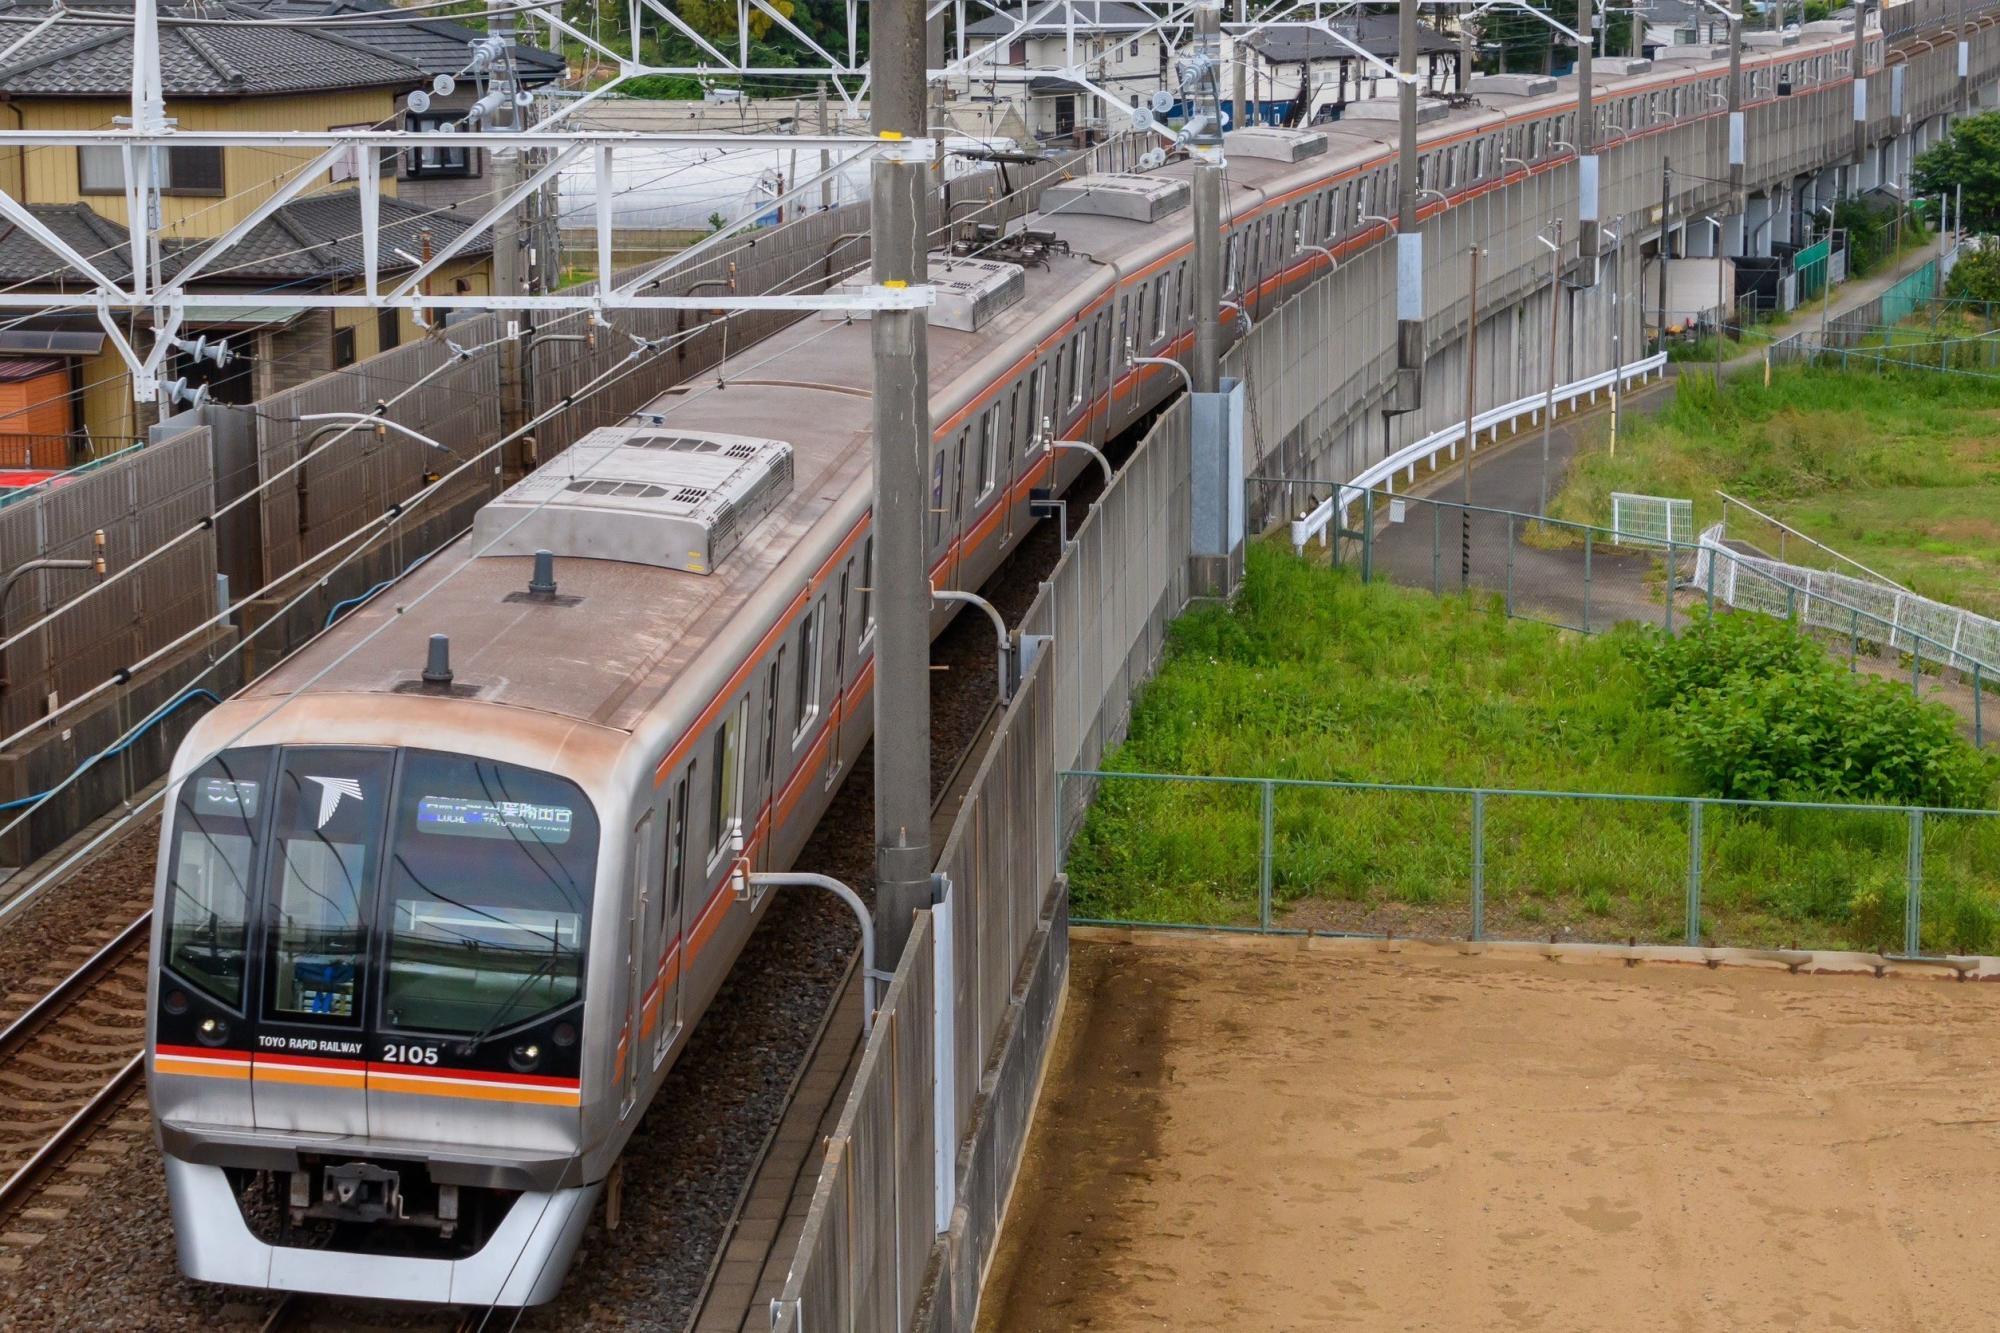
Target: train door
(309, 1071)
(637, 992)
(676, 914)
(838, 724)
(954, 518)
(766, 799)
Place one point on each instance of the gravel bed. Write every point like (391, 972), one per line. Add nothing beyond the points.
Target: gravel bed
(111, 1261)
(99, 898)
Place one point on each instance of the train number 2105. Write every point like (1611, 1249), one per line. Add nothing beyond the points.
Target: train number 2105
(395, 1053)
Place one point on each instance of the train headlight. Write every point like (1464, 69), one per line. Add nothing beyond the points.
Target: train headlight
(564, 1035)
(212, 1031)
(525, 1056)
(176, 1002)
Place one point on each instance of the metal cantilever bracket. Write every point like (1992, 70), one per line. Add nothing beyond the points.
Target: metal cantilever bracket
(1006, 642)
(744, 881)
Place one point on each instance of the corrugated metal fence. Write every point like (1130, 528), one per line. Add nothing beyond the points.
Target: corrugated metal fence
(141, 501)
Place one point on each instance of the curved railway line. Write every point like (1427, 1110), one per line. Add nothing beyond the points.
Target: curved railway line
(71, 1069)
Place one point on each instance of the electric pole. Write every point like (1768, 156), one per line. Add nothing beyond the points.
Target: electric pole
(1586, 152)
(1207, 205)
(1555, 324)
(1666, 210)
(1409, 236)
(502, 111)
(1471, 410)
(899, 230)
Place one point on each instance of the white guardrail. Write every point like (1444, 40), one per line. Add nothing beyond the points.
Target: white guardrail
(1407, 459)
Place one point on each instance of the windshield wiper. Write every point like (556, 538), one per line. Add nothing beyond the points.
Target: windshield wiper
(479, 1038)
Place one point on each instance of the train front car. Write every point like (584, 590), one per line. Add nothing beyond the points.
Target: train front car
(369, 1053)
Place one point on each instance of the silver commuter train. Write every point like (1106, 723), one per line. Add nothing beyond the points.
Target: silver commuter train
(425, 948)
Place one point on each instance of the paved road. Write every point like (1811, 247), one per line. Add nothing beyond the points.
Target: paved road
(1567, 585)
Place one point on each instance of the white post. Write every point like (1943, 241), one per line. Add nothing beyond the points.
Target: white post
(944, 1037)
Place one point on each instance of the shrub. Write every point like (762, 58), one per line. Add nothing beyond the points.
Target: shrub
(1714, 648)
(1760, 712)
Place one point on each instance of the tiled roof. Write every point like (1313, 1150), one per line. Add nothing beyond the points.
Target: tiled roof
(319, 236)
(436, 46)
(80, 58)
(25, 259)
(303, 243)
(1105, 13)
(1374, 32)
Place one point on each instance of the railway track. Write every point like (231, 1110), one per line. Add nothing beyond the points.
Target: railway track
(71, 1069)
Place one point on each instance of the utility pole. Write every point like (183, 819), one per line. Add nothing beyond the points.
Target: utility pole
(1586, 153)
(1555, 318)
(1736, 142)
(1471, 411)
(509, 272)
(1409, 236)
(900, 185)
(1860, 81)
(1239, 51)
(1666, 209)
(1207, 204)
(825, 157)
(1964, 63)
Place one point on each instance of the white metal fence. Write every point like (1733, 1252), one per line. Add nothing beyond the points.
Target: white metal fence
(1651, 520)
(1933, 631)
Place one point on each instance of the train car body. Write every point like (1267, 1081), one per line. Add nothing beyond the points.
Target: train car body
(425, 948)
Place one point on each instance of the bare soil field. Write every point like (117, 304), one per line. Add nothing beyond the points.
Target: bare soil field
(1279, 1138)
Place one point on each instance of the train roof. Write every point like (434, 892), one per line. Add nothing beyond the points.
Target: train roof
(631, 630)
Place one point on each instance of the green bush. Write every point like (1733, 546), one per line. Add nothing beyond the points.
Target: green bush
(1760, 712)
(1976, 276)
(1714, 649)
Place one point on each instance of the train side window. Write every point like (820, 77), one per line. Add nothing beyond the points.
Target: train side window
(1161, 302)
(771, 680)
(1078, 359)
(1037, 404)
(868, 588)
(726, 805)
(676, 860)
(989, 433)
(805, 695)
(1232, 257)
(214, 858)
(939, 500)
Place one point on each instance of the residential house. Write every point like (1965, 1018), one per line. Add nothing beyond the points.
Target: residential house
(1117, 46)
(1297, 74)
(450, 173)
(76, 75)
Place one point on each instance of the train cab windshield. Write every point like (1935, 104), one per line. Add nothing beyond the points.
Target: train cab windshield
(407, 893)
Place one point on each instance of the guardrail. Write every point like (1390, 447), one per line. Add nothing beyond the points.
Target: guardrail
(1426, 450)
(1295, 856)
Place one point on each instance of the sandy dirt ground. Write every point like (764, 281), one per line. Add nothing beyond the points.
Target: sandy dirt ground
(1238, 1138)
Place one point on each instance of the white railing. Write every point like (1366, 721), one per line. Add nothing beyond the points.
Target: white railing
(1407, 459)
(1933, 631)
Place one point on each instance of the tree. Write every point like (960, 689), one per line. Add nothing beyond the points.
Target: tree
(1969, 159)
(1975, 277)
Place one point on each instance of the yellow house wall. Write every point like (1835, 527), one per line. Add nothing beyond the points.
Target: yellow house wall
(478, 275)
(249, 175)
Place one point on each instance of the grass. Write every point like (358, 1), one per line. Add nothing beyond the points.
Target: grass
(1900, 471)
(1314, 675)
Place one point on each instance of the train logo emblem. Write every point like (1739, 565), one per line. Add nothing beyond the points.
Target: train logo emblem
(330, 792)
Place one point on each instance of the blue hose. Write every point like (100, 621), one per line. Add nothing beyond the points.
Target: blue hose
(153, 719)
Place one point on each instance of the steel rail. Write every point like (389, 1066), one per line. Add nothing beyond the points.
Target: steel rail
(75, 1131)
(42, 1011)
